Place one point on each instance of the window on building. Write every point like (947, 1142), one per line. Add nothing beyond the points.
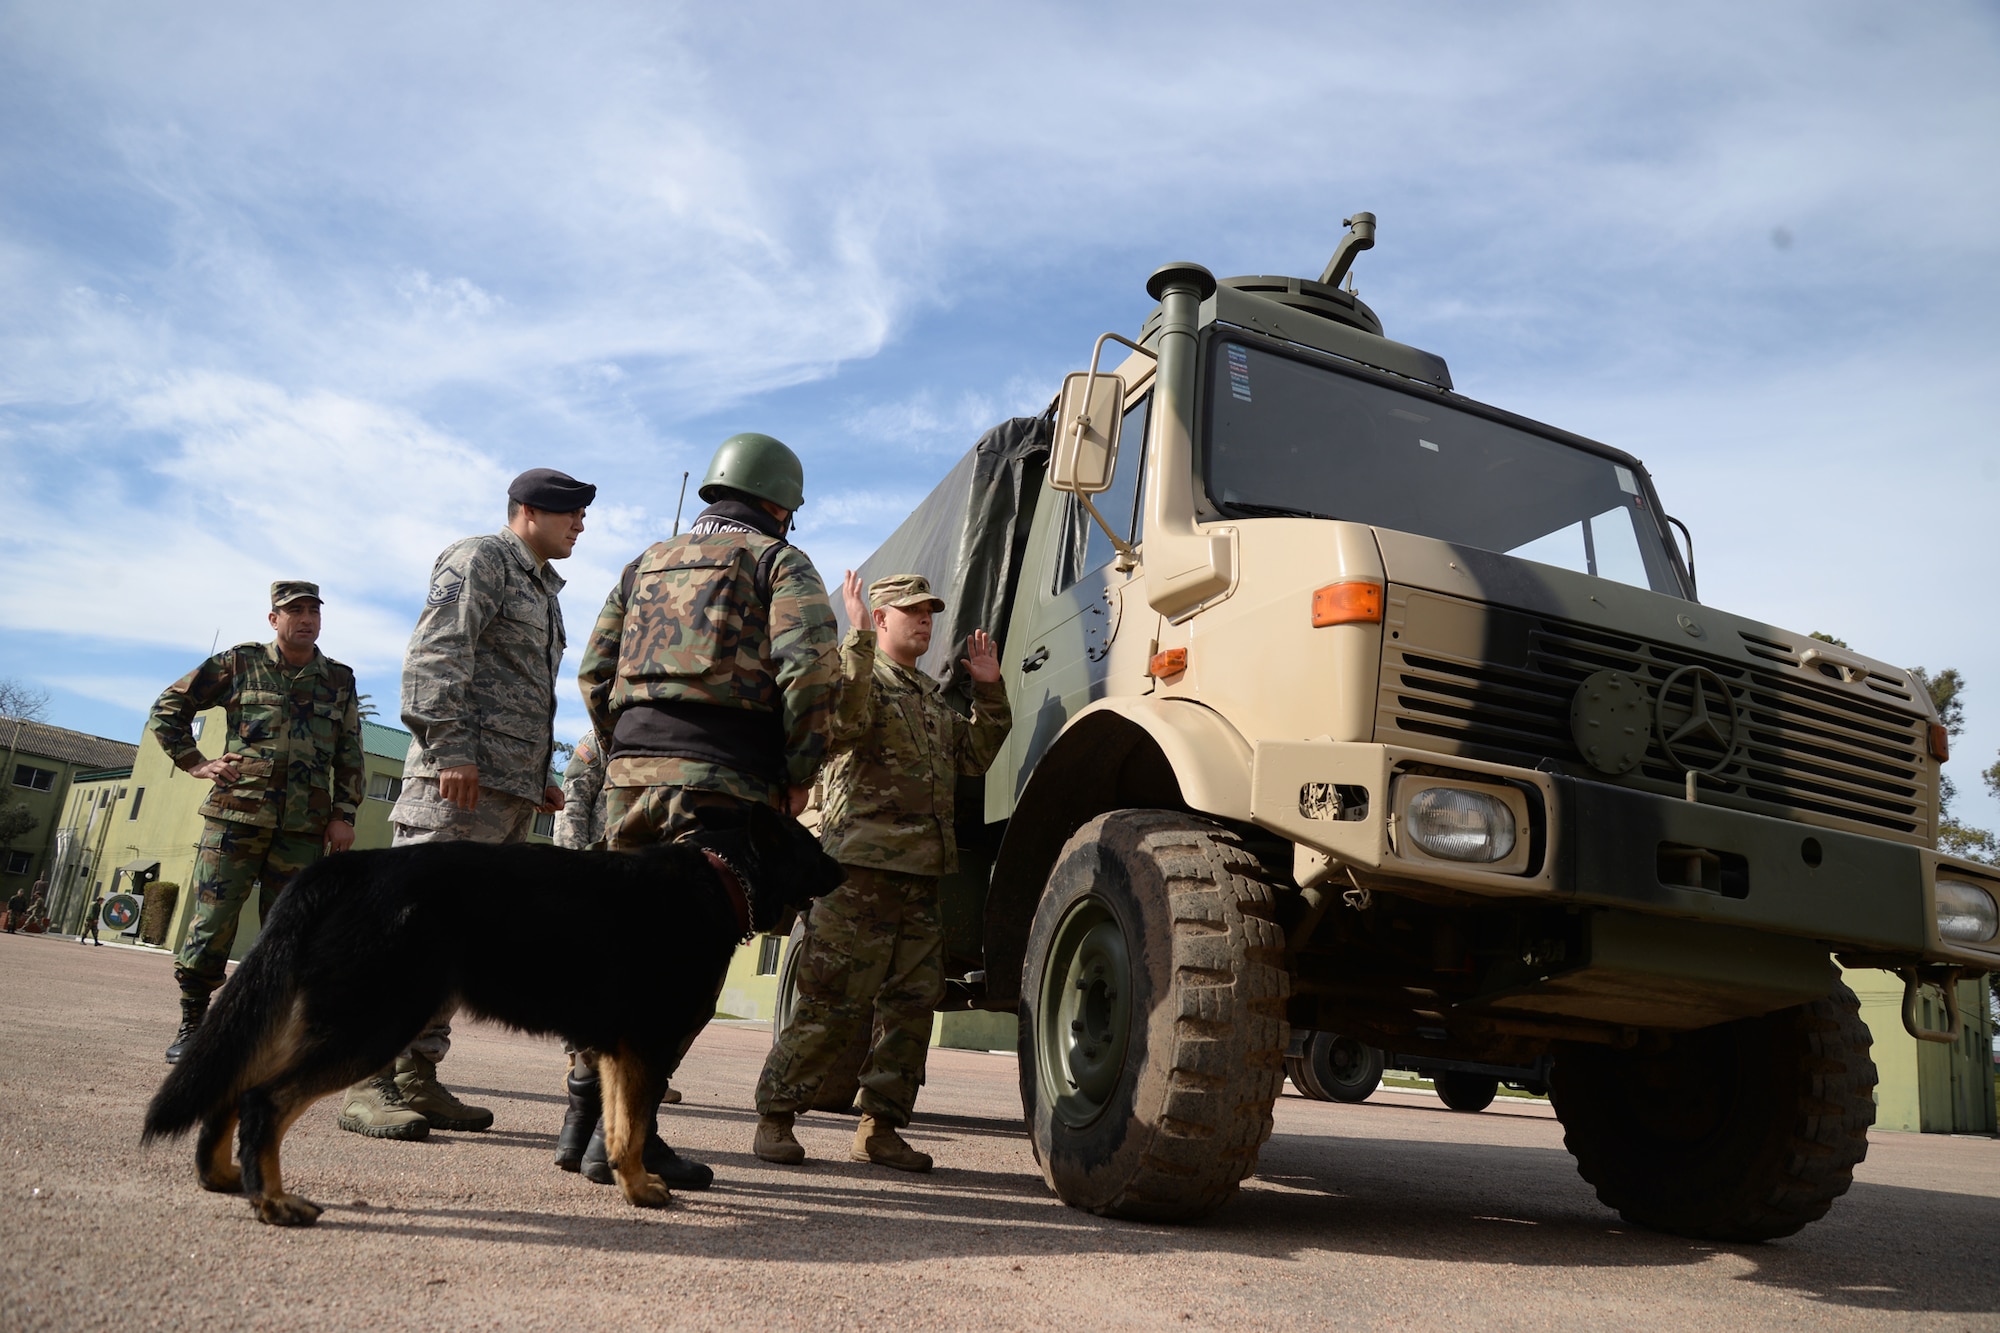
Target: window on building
(767, 955)
(197, 727)
(138, 798)
(34, 779)
(545, 824)
(384, 787)
(18, 862)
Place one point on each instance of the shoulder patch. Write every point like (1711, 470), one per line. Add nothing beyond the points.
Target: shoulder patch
(446, 585)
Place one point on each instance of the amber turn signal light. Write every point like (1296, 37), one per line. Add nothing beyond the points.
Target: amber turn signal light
(1354, 602)
(1166, 665)
(1940, 742)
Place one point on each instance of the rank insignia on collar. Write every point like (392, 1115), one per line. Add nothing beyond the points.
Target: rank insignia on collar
(446, 587)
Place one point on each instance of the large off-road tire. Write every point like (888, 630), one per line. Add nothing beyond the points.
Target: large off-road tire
(1152, 1017)
(1335, 1068)
(1462, 1091)
(1742, 1132)
(843, 1081)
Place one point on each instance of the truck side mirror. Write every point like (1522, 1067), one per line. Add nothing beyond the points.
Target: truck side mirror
(1086, 444)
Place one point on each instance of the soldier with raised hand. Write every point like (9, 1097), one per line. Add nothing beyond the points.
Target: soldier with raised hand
(287, 782)
(873, 950)
(479, 698)
(709, 676)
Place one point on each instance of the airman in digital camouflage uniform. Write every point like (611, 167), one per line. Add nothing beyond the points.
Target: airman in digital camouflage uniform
(874, 948)
(479, 698)
(710, 675)
(287, 782)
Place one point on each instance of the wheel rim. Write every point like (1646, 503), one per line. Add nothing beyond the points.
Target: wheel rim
(1347, 1063)
(1085, 1013)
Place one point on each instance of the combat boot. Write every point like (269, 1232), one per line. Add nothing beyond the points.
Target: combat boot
(775, 1141)
(193, 1009)
(375, 1107)
(416, 1079)
(586, 1104)
(876, 1140)
(675, 1170)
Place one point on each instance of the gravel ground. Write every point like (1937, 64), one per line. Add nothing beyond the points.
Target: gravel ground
(1389, 1214)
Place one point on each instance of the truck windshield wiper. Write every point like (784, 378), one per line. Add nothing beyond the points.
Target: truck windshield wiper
(1273, 511)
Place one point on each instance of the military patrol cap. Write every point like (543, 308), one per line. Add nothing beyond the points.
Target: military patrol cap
(905, 590)
(546, 488)
(286, 591)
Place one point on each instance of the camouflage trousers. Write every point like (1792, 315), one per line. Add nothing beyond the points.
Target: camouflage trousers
(422, 814)
(232, 859)
(642, 816)
(873, 951)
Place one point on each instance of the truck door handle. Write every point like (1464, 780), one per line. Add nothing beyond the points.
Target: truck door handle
(1033, 661)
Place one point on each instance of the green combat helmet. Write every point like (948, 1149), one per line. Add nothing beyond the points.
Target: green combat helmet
(756, 465)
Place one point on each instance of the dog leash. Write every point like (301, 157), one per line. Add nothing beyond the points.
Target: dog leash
(733, 886)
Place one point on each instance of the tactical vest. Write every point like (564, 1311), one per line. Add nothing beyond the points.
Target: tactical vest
(695, 676)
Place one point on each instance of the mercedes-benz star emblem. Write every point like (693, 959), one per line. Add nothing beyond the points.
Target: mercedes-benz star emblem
(1707, 716)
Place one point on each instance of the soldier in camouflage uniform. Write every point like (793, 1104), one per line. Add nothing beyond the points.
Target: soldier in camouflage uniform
(287, 783)
(479, 698)
(581, 824)
(710, 674)
(874, 948)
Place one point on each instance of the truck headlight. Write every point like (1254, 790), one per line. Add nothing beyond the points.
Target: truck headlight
(1454, 824)
(1966, 913)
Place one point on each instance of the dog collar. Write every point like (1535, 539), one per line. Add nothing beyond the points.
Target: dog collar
(733, 886)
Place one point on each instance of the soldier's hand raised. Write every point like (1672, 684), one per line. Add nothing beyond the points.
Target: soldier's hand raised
(856, 601)
(982, 659)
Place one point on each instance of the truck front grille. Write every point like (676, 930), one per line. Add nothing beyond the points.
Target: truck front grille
(1496, 684)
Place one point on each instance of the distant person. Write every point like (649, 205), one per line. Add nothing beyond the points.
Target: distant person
(91, 916)
(287, 782)
(17, 911)
(873, 952)
(479, 698)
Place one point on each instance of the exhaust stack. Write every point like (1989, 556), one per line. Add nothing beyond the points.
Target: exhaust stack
(1360, 236)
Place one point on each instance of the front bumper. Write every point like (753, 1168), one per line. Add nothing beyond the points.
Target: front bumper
(1603, 846)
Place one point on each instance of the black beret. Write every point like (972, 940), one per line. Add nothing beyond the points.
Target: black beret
(546, 488)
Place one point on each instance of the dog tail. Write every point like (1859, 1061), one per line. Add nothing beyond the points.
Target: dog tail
(216, 1062)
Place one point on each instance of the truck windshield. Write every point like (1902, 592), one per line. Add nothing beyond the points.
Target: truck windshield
(1289, 438)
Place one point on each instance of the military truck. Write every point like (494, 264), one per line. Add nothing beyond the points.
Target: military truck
(1347, 704)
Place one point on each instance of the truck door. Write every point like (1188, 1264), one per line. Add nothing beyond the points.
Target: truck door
(1071, 606)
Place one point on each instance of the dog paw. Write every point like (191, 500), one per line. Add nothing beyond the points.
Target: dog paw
(228, 1180)
(647, 1191)
(287, 1210)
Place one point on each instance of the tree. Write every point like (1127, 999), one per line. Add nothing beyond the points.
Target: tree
(364, 705)
(20, 699)
(15, 821)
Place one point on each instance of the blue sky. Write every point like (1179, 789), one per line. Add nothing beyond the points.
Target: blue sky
(293, 293)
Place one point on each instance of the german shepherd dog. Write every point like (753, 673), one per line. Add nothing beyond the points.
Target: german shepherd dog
(620, 952)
